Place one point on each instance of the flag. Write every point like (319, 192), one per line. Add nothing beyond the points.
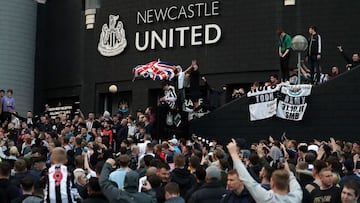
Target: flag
(293, 101)
(156, 70)
(262, 102)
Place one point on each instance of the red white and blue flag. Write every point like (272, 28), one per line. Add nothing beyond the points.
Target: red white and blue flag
(156, 70)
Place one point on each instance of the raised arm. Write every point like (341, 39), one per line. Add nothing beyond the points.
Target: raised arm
(343, 54)
(256, 190)
(189, 68)
(294, 186)
(261, 154)
(111, 192)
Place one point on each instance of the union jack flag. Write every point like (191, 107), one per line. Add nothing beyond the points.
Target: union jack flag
(156, 70)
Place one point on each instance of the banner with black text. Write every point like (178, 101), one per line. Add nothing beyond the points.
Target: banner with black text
(263, 101)
(292, 101)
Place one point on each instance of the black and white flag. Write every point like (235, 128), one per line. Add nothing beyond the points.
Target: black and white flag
(292, 101)
(263, 101)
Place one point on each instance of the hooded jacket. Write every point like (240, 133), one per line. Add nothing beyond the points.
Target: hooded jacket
(183, 178)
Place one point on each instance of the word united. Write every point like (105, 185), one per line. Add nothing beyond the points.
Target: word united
(285, 101)
(194, 35)
(113, 40)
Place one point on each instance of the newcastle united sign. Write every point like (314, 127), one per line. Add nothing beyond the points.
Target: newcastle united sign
(113, 40)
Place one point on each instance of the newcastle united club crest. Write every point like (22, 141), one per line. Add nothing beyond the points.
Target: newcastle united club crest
(112, 38)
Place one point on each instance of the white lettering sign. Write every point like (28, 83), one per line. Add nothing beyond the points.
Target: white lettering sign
(112, 38)
(178, 12)
(165, 39)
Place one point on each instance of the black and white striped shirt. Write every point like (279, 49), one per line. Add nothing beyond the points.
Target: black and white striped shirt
(58, 188)
(170, 96)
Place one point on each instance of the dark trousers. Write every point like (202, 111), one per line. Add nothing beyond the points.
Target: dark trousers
(284, 67)
(181, 98)
(314, 67)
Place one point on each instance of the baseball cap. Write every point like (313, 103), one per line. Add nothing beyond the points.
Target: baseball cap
(174, 141)
(313, 147)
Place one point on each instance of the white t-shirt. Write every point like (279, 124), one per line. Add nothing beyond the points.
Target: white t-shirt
(142, 147)
(181, 77)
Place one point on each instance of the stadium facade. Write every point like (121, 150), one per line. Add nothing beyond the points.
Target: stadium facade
(235, 43)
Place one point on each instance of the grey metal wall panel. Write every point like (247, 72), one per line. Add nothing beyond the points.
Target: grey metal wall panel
(17, 50)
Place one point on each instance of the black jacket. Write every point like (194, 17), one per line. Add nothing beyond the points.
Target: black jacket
(8, 191)
(121, 135)
(17, 178)
(96, 199)
(192, 190)
(208, 193)
(183, 178)
(244, 197)
(314, 45)
(20, 199)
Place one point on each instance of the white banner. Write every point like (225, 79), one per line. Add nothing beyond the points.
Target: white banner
(292, 103)
(262, 110)
(296, 90)
(290, 112)
(263, 101)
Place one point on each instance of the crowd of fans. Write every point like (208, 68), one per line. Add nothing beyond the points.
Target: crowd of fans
(115, 159)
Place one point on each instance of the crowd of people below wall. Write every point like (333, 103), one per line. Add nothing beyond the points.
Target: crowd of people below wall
(115, 159)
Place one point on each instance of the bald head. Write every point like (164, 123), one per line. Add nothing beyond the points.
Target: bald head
(151, 171)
